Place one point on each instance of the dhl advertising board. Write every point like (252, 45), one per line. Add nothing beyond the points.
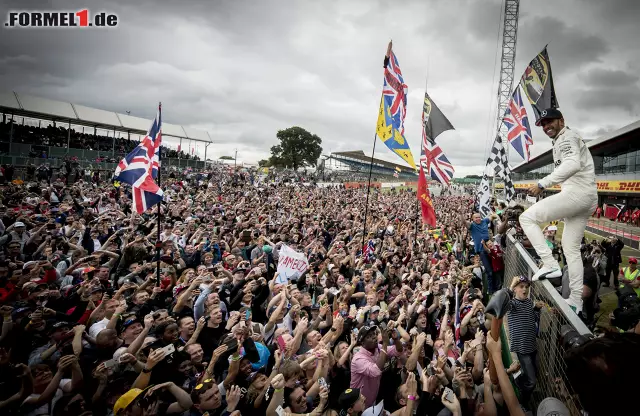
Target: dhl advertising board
(603, 186)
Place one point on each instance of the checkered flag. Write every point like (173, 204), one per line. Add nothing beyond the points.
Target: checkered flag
(497, 165)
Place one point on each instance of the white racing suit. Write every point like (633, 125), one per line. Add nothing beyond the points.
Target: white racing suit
(578, 199)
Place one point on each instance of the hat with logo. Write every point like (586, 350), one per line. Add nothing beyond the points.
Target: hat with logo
(549, 114)
(364, 331)
(348, 398)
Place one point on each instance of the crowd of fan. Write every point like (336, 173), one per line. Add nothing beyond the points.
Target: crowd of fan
(90, 326)
(59, 137)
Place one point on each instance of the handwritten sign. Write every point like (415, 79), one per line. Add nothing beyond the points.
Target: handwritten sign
(291, 264)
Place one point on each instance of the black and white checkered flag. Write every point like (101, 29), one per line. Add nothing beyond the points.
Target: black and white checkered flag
(497, 165)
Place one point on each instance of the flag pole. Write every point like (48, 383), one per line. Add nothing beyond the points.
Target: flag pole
(415, 234)
(366, 204)
(158, 242)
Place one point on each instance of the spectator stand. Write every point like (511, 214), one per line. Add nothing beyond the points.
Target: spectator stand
(552, 378)
(41, 128)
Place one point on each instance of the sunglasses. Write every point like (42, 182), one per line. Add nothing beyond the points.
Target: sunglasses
(205, 385)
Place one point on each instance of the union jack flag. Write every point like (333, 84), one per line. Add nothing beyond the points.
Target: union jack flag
(517, 121)
(368, 251)
(395, 90)
(434, 161)
(140, 167)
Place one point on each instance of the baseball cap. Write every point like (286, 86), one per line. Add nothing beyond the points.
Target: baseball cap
(348, 398)
(18, 224)
(364, 331)
(375, 410)
(549, 114)
(375, 309)
(633, 260)
(552, 407)
(125, 400)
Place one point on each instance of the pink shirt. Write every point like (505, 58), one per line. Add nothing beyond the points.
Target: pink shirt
(365, 374)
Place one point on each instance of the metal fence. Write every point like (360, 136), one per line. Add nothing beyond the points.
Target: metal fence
(629, 234)
(552, 380)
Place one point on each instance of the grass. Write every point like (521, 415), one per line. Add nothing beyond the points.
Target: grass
(609, 298)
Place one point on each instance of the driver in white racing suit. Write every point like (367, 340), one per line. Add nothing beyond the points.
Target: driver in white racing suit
(573, 169)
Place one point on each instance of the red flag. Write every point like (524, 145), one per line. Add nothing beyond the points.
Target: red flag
(428, 213)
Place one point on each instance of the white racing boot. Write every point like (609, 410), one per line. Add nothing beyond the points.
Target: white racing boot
(546, 272)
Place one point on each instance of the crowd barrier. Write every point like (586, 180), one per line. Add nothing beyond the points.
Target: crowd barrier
(552, 379)
(629, 234)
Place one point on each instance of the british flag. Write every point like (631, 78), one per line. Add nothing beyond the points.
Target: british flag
(368, 251)
(517, 121)
(434, 161)
(395, 90)
(140, 168)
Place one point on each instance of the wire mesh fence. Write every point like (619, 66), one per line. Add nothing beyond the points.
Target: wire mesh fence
(551, 378)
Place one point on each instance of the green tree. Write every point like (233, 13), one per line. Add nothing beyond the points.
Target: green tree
(263, 163)
(226, 158)
(297, 148)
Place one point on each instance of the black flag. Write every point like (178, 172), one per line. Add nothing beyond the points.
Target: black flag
(537, 84)
(434, 122)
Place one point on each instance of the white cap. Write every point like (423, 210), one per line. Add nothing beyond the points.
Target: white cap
(375, 410)
(552, 407)
(552, 228)
(18, 224)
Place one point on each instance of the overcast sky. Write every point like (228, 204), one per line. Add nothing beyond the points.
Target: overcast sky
(242, 70)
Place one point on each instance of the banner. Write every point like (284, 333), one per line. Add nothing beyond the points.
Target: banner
(433, 121)
(291, 264)
(537, 84)
(532, 199)
(393, 103)
(632, 187)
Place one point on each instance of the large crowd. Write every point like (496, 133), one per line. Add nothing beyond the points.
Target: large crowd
(91, 326)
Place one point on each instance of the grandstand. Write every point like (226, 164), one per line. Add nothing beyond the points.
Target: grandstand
(34, 129)
(355, 166)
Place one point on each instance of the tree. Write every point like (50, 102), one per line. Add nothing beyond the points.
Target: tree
(263, 163)
(297, 148)
(473, 177)
(226, 158)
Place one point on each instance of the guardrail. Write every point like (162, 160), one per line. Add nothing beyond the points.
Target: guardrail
(629, 234)
(552, 379)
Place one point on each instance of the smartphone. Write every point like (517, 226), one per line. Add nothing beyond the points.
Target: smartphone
(111, 364)
(322, 382)
(355, 331)
(323, 302)
(281, 343)
(448, 394)
(247, 314)
(430, 371)
(169, 349)
(429, 337)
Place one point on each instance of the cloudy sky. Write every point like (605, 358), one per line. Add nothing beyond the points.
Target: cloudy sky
(242, 69)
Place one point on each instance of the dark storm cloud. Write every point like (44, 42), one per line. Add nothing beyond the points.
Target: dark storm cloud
(570, 47)
(609, 78)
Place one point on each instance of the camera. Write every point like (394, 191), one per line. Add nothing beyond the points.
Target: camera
(570, 338)
(628, 314)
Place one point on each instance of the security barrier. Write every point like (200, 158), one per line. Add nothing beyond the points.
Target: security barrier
(552, 380)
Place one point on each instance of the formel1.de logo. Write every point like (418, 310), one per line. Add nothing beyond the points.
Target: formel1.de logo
(60, 19)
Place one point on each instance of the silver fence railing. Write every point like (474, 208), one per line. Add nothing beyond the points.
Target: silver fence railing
(551, 378)
(628, 233)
